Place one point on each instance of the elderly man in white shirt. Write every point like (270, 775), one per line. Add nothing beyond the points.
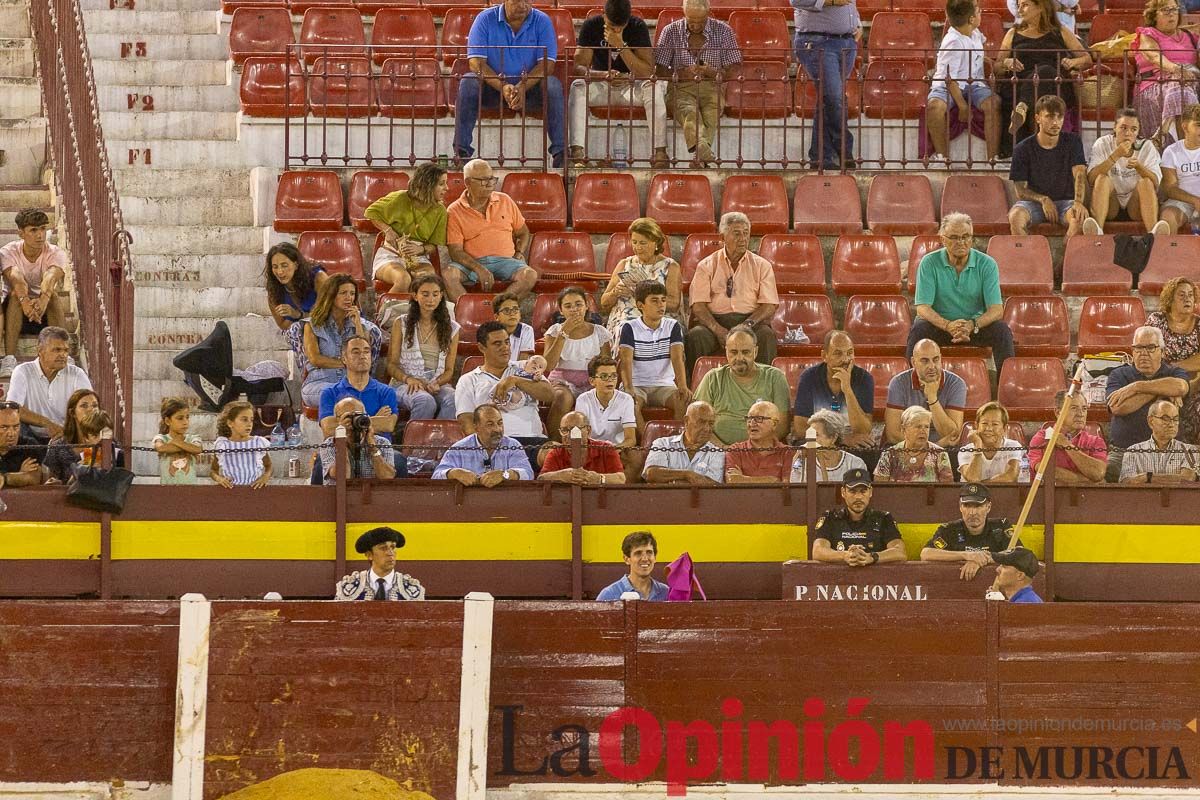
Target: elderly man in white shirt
(689, 457)
(42, 387)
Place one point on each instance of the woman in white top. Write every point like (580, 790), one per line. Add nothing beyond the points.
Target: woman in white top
(422, 352)
(988, 456)
(832, 463)
(570, 346)
(646, 264)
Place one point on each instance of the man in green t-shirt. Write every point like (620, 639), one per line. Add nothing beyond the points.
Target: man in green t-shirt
(733, 388)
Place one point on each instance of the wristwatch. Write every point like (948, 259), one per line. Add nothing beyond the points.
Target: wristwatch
(974, 326)
(505, 475)
(874, 558)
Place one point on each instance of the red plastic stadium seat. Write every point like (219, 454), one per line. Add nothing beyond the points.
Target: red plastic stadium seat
(340, 87)
(921, 247)
(456, 185)
(337, 25)
(763, 198)
(564, 30)
(894, 90)
(1041, 326)
(974, 372)
(805, 96)
(1028, 385)
(696, 248)
(267, 91)
(456, 26)
(1016, 432)
(619, 249)
(703, 366)
(555, 253)
(681, 203)
(1107, 24)
(472, 310)
(260, 31)
(230, 6)
(878, 323)
(901, 205)
(408, 27)
(366, 187)
(665, 18)
(827, 205)
(796, 257)
(1172, 257)
(541, 198)
(411, 88)
(1088, 268)
(792, 366)
(302, 6)
(338, 251)
(762, 35)
(899, 35)
(1106, 324)
(308, 201)
(660, 428)
(429, 439)
(759, 90)
(865, 264)
(604, 203)
(991, 25)
(982, 198)
(882, 369)
(1025, 265)
(545, 306)
(811, 312)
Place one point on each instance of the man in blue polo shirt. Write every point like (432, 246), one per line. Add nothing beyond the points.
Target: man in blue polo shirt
(958, 295)
(640, 550)
(512, 48)
(378, 399)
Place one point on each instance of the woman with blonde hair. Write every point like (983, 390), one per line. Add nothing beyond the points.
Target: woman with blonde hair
(649, 262)
(1176, 318)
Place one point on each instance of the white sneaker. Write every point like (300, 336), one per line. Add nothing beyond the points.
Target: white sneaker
(1092, 228)
(937, 161)
(1161, 228)
(7, 366)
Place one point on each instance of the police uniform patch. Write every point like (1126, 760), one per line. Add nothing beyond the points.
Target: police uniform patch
(939, 543)
(841, 545)
(820, 522)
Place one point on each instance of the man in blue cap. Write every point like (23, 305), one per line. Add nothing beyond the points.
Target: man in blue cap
(380, 581)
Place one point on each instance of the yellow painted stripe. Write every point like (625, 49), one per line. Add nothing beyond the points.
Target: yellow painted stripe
(712, 543)
(475, 541)
(240, 540)
(1127, 544)
(42, 540)
(915, 537)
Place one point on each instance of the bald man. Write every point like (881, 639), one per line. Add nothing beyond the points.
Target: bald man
(762, 458)
(927, 385)
(602, 462)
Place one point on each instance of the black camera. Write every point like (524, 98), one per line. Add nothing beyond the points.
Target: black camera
(359, 423)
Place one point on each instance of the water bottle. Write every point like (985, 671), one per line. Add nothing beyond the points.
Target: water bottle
(1024, 476)
(620, 148)
(293, 434)
(277, 436)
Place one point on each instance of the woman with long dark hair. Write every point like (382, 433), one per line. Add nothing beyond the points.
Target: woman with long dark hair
(413, 223)
(81, 434)
(292, 284)
(423, 350)
(335, 318)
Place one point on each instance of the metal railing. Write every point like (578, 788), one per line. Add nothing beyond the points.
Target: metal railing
(88, 199)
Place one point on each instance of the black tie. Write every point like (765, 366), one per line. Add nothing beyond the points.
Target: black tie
(380, 589)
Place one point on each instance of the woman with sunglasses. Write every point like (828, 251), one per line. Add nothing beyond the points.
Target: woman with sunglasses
(1166, 59)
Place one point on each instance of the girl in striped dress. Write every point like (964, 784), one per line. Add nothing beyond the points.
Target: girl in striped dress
(239, 459)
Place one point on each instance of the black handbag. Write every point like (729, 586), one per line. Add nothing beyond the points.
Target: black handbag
(98, 489)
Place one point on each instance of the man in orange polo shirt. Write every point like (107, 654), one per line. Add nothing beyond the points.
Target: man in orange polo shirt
(732, 287)
(486, 237)
(762, 458)
(602, 463)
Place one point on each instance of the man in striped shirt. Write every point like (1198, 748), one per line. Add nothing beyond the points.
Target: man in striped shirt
(1162, 458)
(652, 364)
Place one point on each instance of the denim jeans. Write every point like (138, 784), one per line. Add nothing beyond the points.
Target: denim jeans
(474, 94)
(828, 60)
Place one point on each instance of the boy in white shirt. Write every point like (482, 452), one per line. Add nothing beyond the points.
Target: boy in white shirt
(959, 76)
(651, 353)
(1181, 174)
(1124, 173)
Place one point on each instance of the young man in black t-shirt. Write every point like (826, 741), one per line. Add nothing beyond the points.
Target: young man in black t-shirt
(1050, 173)
(614, 52)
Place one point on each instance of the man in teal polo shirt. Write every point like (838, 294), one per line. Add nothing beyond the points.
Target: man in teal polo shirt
(958, 295)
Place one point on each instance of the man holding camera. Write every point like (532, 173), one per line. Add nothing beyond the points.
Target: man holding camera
(487, 457)
(370, 455)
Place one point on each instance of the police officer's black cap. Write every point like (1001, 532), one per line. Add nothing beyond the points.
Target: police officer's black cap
(378, 536)
(856, 477)
(975, 493)
(1020, 557)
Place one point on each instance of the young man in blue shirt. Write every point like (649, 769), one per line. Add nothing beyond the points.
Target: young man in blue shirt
(640, 550)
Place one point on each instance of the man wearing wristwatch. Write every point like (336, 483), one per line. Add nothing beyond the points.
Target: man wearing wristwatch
(372, 458)
(487, 457)
(856, 534)
(958, 295)
(929, 386)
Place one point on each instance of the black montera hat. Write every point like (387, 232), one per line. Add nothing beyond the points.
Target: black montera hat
(378, 536)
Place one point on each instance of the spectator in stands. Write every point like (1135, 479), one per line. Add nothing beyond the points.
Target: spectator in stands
(79, 443)
(855, 534)
(381, 581)
(1014, 576)
(832, 462)
(972, 539)
(1162, 458)
(733, 286)
(413, 223)
(335, 318)
(239, 458)
(1079, 456)
(1049, 173)
(512, 48)
(688, 457)
(485, 457)
(497, 383)
(826, 45)
(989, 456)
(1181, 175)
(651, 355)
(1132, 388)
(601, 464)
(42, 387)
(1176, 319)
(1064, 12)
(1124, 172)
(1037, 55)
(914, 458)
(292, 284)
(640, 550)
(177, 449)
(570, 347)
(695, 54)
(20, 456)
(1166, 65)
(761, 458)
(614, 51)
(959, 75)
(486, 235)
(610, 413)
(648, 263)
(34, 270)
(378, 399)
(823, 387)
(958, 295)
(369, 454)
(423, 352)
(929, 386)
(739, 383)
(506, 309)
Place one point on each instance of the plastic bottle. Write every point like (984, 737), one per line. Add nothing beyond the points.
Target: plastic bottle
(620, 147)
(293, 434)
(278, 438)
(1024, 476)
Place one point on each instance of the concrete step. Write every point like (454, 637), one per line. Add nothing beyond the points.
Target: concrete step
(200, 210)
(147, 23)
(162, 73)
(155, 5)
(139, 46)
(155, 365)
(19, 97)
(16, 56)
(14, 20)
(198, 271)
(18, 197)
(179, 333)
(23, 142)
(179, 153)
(8, 218)
(189, 183)
(170, 125)
(182, 239)
(135, 97)
(176, 302)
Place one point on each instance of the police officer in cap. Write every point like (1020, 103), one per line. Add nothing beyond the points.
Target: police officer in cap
(380, 581)
(856, 534)
(972, 539)
(1014, 576)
